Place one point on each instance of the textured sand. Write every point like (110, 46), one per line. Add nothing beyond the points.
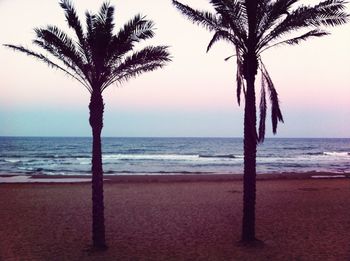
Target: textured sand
(302, 219)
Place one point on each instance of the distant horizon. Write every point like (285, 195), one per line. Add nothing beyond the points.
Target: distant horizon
(168, 137)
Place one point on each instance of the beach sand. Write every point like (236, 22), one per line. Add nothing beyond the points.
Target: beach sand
(297, 219)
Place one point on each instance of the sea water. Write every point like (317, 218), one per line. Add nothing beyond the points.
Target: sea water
(69, 156)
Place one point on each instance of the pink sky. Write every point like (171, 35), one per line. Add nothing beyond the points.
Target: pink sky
(313, 79)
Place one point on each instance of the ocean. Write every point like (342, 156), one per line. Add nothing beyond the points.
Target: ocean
(128, 156)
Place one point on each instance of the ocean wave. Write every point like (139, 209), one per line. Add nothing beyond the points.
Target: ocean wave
(25, 168)
(149, 157)
(128, 172)
(299, 148)
(315, 153)
(12, 160)
(167, 157)
(329, 153)
(336, 153)
(84, 161)
(228, 156)
(43, 156)
(135, 151)
(217, 165)
(56, 156)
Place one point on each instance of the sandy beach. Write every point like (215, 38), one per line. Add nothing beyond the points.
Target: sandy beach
(298, 219)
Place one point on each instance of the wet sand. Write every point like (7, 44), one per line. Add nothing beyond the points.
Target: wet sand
(150, 219)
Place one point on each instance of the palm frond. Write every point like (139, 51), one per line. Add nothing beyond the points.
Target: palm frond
(60, 45)
(304, 37)
(329, 13)
(236, 5)
(233, 17)
(56, 53)
(229, 57)
(136, 71)
(220, 35)
(90, 26)
(59, 40)
(298, 39)
(149, 54)
(147, 59)
(73, 20)
(117, 48)
(139, 28)
(99, 36)
(262, 107)
(135, 30)
(46, 60)
(239, 77)
(271, 12)
(326, 13)
(206, 19)
(276, 115)
(104, 19)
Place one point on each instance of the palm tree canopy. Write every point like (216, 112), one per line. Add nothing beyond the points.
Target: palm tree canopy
(275, 19)
(276, 22)
(98, 58)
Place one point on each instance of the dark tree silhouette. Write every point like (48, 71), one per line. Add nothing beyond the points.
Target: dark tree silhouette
(253, 26)
(98, 58)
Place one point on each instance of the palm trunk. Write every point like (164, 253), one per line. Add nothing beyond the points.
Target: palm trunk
(96, 121)
(250, 144)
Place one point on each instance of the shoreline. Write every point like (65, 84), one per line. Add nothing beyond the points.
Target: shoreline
(157, 178)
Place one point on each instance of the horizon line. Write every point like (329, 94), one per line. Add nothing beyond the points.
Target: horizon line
(164, 137)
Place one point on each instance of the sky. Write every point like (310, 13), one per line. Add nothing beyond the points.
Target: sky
(194, 96)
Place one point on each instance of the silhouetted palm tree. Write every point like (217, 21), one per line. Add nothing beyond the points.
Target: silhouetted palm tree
(98, 58)
(254, 26)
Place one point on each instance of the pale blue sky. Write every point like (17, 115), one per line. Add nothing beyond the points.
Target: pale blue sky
(193, 96)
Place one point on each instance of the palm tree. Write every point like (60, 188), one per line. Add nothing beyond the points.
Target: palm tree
(254, 26)
(98, 58)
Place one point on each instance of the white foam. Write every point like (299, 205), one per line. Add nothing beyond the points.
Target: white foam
(327, 176)
(150, 156)
(28, 179)
(12, 160)
(172, 157)
(335, 153)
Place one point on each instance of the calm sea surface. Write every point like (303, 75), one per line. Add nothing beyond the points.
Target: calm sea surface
(68, 156)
